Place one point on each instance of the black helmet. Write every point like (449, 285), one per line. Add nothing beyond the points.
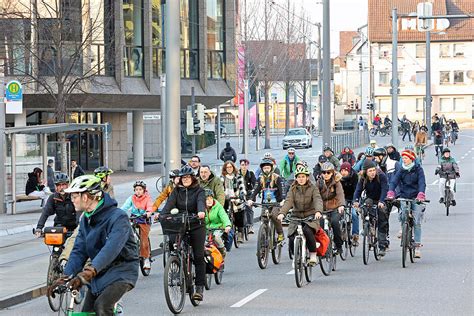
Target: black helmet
(322, 159)
(326, 148)
(266, 162)
(380, 152)
(446, 150)
(139, 183)
(61, 178)
(174, 173)
(186, 171)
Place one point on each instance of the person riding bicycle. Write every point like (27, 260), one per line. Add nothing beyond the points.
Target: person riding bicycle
(188, 197)
(368, 155)
(387, 122)
(347, 155)
(59, 204)
(329, 153)
(104, 173)
(250, 181)
(448, 170)
(410, 183)
(234, 189)
(216, 218)
(438, 142)
(305, 200)
(380, 158)
(317, 168)
(268, 155)
(140, 205)
(303, 163)
(208, 180)
(349, 183)
(374, 183)
(332, 193)
(271, 186)
(288, 163)
(174, 180)
(421, 140)
(377, 121)
(106, 237)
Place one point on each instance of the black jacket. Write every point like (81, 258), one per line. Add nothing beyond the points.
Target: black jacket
(317, 171)
(228, 153)
(349, 185)
(376, 189)
(62, 207)
(249, 181)
(32, 184)
(187, 200)
(78, 172)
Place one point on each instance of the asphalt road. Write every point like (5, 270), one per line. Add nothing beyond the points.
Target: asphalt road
(441, 283)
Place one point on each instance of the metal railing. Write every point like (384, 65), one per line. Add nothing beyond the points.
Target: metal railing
(352, 139)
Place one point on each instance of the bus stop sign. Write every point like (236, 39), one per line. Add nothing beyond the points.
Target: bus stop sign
(14, 98)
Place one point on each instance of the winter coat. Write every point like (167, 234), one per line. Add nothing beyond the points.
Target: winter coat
(305, 200)
(347, 157)
(77, 172)
(375, 190)
(332, 193)
(448, 168)
(32, 184)
(62, 207)
(214, 184)
(106, 237)
(335, 162)
(409, 182)
(217, 217)
(421, 138)
(287, 167)
(135, 210)
(228, 153)
(249, 181)
(349, 185)
(272, 185)
(163, 196)
(238, 186)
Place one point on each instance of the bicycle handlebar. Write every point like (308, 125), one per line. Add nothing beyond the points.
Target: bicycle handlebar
(297, 220)
(412, 200)
(271, 204)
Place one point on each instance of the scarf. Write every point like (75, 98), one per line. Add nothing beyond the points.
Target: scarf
(409, 166)
(229, 185)
(140, 202)
(88, 215)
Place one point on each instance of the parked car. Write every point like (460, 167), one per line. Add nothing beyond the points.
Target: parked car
(297, 137)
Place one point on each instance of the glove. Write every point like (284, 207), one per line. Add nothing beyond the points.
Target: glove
(280, 217)
(421, 196)
(38, 232)
(458, 174)
(60, 281)
(390, 195)
(437, 171)
(83, 277)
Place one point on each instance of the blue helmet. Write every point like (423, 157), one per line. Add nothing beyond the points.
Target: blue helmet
(369, 151)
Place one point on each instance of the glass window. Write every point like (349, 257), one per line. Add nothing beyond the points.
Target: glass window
(133, 50)
(444, 77)
(445, 105)
(189, 39)
(383, 78)
(420, 50)
(420, 77)
(314, 90)
(458, 76)
(215, 38)
(459, 105)
(384, 50)
(420, 102)
(458, 50)
(444, 50)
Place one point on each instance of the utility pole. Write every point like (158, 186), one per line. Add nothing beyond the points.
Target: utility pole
(394, 80)
(287, 79)
(326, 111)
(193, 111)
(320, 80)
(310, 87)
(164, 173)
(245, 112)
(267, 144)
(3, 175)
(173, 117)
(428, 83)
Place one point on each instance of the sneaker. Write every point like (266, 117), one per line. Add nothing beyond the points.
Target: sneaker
(355, 240)
(146, 264)
(251, 230)
(240, 238)
(399, 235)
(313, 258)
(198, 295)
(281, 238)
(453, 202)
(417, 252)
(382, 251)
(441, 200)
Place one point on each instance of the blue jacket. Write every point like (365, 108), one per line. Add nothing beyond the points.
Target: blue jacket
(409, 182)
(375, 190)
(108, 240)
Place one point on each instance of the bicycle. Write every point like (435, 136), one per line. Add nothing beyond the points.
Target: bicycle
(179, 274)
(166, 249)
(267, 236)
(301, 253)
(370, 228)
(345, 234)
(159, 184)
(328, 261)
(407, 239)
(420, 152)
(454, 136)
(230, 212)
(448, 196)
(134, 220)
(219, 273)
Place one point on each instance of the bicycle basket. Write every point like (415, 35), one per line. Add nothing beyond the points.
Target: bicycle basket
(173, 224)
(54, 236)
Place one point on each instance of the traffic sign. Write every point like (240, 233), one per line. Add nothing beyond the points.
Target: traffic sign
(424, 9)
(14, 98)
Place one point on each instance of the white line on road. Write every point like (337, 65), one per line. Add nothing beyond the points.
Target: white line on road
(249, 298)
(291, 272)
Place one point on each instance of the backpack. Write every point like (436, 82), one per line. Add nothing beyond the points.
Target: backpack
(227, 155)
(213, 259)
(323, 240)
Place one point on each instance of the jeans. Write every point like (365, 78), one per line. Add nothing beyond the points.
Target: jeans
(355, 222)
(334, 218)
(310, 239)
(418, 213)
(248, 215)
(451, 184)
(103, 304)
(406, 132)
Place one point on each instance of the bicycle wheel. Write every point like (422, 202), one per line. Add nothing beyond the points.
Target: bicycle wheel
(246, 233)
(373, 132)
(298, 261)
(375, 243)
(447, 199)
(405, 244)
(352, 247)
(159, 184)
(218, 275)
(262, 246)
(308, 270)
(53, 275)
(325, 262)
(175, 285)
(166, 249)
(236, 237)
(400, 131)
(345, 240)
(208, 283)
(290, 253)
(366, 244)
(383, 132)
(411, 243)
(276, 247)
(191, 279)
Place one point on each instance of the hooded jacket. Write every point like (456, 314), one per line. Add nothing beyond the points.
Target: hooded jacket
(217, 217)
(448, 168)
(214, 184)
(273, 185)
(106, 237)
(32, 184)
(130, 204)
(408, 182)
(332, 193)
(349, 184)
(288, 167)
(228, 153)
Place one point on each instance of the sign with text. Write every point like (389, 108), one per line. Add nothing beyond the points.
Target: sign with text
(14, 98)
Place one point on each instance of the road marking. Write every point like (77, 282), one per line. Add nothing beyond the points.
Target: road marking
(435, 182)
(249, 298)
(291, 272)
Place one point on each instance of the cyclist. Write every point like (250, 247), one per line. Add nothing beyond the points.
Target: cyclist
(438, 142)
(59, 204)
(288, 163)
(347, 155)
(368, 155)
(268, 155)
(139, 205)
(188, 197)
(208, 180)
(373, 143)
(174, 180)
(271, 185)
(421, 139)
(374, 183)
(106, 237)
(332, 193)
(410, 183)
(234, 189)
(216, 218)
(305, 200)
(249, 181)
(195, 164)
(329, 153)
(317, 168)
(349, 183)
(104, 173)
(303, 163)
(448, 170)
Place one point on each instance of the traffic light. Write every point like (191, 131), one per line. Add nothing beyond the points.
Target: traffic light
(370, 106)
(195, 121)
(360, 66)
(189, 121)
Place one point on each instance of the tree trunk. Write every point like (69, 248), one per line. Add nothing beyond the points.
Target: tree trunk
(305, 124)
(287, 106)
(60, 115)
(267, 116)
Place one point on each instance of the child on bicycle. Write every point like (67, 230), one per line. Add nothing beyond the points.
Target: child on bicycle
(448, 170)
(140, 205)
(216, 218)
(410, 180)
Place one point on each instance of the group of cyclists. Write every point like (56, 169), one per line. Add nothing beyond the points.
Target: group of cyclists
(103, 252)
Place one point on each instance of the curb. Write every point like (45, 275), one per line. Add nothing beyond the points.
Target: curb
(16, 230)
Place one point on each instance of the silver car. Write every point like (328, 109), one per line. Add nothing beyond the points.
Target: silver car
(297, 137)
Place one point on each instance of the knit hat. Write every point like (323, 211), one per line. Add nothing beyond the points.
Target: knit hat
(409, 154)
(346, 166)
(368, 164)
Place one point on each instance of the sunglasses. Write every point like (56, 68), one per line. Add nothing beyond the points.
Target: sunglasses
(326, 172)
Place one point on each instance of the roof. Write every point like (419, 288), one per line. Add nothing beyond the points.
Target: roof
(53, 128)
(380, 20)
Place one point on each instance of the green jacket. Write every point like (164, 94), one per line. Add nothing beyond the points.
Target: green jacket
(215, 184)
(217, 217)
(333, 159)
(285, 166)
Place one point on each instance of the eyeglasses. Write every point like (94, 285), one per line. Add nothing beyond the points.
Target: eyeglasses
(291, 153)
(194, 160)
(326, 172)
